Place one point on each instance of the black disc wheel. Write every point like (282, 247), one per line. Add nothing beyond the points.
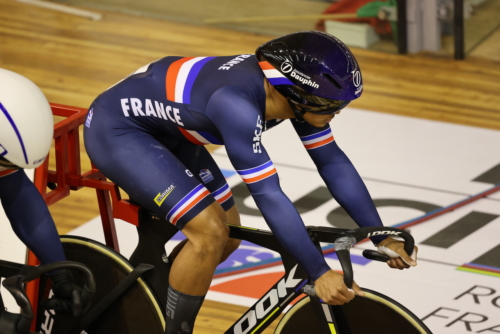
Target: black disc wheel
(136, 311)
(373, 313)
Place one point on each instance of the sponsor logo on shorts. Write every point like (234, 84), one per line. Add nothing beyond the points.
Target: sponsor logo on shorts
(206, 175)
(89, 118)
(188, 172)
(161, 196)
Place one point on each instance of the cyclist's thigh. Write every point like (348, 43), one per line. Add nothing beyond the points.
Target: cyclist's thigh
(201, 163)
(233, 216)
(148, 172)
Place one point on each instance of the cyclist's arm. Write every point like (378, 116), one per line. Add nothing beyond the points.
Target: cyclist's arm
(339, 174)
(31, 221)
(238, 119)
(30, 218)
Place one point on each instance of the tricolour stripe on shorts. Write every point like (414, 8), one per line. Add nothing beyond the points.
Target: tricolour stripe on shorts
(222, 194)
(273, 75)
(180, 78)
(318, 139)
(189, 201)
(258, 173)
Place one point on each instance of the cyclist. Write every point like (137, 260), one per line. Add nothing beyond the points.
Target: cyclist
(147, 132)
(26, 131)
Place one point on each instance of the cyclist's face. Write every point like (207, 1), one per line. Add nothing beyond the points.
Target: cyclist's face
(318, 120)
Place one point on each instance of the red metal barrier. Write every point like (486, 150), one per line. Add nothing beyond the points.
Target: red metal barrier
(68, 175)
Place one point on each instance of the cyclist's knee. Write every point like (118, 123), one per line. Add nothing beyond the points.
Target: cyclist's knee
(208, 232)
(217, 231)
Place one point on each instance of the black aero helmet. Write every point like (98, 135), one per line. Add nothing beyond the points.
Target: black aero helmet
(311, 68)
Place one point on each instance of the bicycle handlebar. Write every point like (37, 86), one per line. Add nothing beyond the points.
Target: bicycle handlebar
(345, 239)
(14, 285)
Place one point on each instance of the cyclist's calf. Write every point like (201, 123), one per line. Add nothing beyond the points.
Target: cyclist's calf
(194, 265)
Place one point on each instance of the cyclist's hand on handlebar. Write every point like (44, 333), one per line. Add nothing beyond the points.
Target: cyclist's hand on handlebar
(331, 289)
(67, 298)
(395, 250)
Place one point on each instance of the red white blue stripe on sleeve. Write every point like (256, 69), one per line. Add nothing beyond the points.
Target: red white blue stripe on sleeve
(180, 78)
(318, 139)
(199, 137)
(187, 203)
(258, 173)
(222, 194)
(273, 75)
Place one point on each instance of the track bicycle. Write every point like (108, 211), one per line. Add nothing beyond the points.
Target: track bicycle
(16, 275)
(140, 307)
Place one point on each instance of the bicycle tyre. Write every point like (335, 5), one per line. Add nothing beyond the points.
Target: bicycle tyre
(136, 312)
(374, 311)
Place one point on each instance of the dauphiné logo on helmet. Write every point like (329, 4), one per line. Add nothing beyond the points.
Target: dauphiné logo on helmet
(286, 66)
(356, 80)
(301, 77)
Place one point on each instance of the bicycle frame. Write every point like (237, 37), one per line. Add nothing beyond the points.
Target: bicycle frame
(273, 303)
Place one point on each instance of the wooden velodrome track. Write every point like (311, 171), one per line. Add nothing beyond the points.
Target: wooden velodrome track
(73, 59)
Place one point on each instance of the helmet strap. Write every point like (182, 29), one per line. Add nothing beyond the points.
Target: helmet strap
(7, 164)
(299, 114)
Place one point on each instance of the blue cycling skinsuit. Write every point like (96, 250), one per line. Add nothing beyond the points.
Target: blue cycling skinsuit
(147, 132)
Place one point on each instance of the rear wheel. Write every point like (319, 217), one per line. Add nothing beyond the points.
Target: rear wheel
(364, 315)
(137, 311)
